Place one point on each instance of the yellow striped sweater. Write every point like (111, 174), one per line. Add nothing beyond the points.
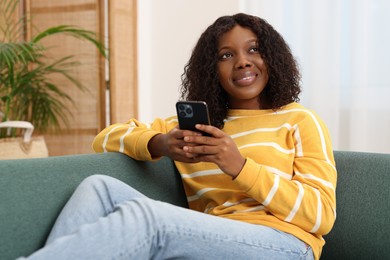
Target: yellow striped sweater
(288, 181)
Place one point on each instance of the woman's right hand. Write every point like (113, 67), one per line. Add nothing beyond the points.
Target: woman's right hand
(171, 145)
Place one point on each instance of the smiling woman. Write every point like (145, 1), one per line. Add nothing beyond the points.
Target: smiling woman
(283, 76)
(242, 71)
(260, 183)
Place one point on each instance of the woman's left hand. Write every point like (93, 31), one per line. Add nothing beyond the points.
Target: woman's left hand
(219, 148)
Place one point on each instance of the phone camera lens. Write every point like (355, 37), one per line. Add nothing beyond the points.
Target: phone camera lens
(189, 111)
(182, 114)
(181, 107)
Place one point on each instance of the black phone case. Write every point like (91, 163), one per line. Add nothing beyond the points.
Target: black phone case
(190, 113)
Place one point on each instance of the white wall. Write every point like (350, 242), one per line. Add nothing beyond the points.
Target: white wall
(344, 69)
(342, 49)
(167, 32)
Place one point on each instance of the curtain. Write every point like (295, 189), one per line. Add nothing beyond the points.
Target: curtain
(342, 49)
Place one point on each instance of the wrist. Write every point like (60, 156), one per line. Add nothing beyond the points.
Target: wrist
(156, 146)
(239, 170)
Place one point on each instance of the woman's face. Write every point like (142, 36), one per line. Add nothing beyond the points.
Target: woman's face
(241, 70)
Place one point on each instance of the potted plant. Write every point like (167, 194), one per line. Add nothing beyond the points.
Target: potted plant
(27, 92)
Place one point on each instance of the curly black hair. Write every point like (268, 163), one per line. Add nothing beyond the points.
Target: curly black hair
(200, 78)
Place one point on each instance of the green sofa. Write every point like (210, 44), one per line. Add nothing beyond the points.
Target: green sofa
(33, 191)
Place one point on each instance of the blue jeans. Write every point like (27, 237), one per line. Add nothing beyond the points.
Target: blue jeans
(107, 219)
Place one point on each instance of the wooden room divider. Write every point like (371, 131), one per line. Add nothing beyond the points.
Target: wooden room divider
(116, 22)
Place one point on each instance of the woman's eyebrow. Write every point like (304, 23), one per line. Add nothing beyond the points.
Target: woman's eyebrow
(253, 40)
(223, 48)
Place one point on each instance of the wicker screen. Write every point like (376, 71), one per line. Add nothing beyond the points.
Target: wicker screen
(123, 59)
(88, 110)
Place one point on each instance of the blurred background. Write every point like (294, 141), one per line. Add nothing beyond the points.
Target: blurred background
(340, 45)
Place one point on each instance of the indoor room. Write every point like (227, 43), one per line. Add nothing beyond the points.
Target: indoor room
(283, 112)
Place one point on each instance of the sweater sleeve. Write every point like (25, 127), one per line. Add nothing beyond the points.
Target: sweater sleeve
(308, 198)
(130, 138)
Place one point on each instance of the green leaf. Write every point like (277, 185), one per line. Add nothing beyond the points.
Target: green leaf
(27, 89)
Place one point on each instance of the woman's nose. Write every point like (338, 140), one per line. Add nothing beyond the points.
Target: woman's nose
(243, 62)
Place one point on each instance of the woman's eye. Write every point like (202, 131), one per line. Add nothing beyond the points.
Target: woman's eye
(225, 56)
(254, 49)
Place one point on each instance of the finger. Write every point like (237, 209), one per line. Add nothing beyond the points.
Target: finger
(191, 156)
(210, 130)
(199, 140)
(201, 149)
(190, 133)
(180, 134)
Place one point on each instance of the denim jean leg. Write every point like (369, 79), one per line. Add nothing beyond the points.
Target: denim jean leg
(142, 228)
(187, 234)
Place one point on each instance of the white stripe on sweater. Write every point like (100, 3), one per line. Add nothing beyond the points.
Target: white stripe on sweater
(173, 120)
(298, 139)
(106, 137)
(257, 130)
(282, 174)
(199, 193)
(121, 140)
(271, 144)
(313, 177)
(229, 204)
(202, 173)
(272, 192)
(319, 129)
(297, 204)
(319, 212)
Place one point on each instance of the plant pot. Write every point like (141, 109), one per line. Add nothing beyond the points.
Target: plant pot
(22, 147)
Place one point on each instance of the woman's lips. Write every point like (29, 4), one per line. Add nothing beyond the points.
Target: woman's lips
(245, 79)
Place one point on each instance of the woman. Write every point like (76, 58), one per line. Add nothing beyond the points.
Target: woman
(261, 186)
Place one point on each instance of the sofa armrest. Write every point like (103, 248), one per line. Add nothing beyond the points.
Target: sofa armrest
(361, 230)
(33, 192)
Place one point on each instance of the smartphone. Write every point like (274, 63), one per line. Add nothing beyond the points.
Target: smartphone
(190, 113)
